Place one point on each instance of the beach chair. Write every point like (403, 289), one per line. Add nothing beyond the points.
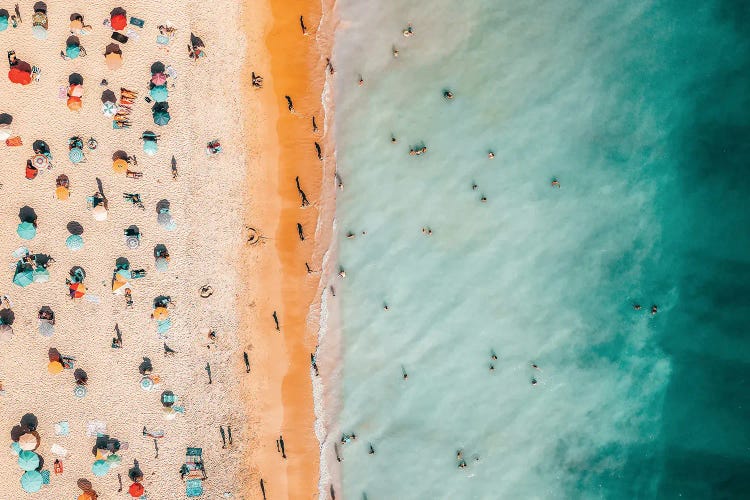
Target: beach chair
(193, 467)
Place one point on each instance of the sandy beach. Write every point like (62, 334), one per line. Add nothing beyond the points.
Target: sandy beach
(213, 201)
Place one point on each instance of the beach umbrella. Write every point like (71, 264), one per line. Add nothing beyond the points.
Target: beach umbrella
(159, 79)
(150, 147)
(120, 166)
(3, 23)
(77, 290)
(74, 104)
(162, 264)
(28, 442)
(73, 51)
(114, 460)
(39, 32)
(76, 155)
(54, 367)
(161, 313)
(166, 221)
(159, 93)
(6, 332)
(147, 384)
(26, 230)
(100, 467)
(40, 161)
(99, 213)
(136, 490)
(41, 275)
(62, 193)
(87, 495)
(32, 481)
(113, 60)
(15, 448)
(24, 278)
(119, 286)
(75, 90)
(161, 117)
(109, 109)
(123, 274)
(79, 391)
(118, 22)
(74, 242)
(132, 242)
(46, 329)
(20, 76)
(28, 460)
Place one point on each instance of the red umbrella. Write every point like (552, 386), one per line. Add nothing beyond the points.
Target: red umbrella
(136, 490)
(77, 290)
(118, 22)
(16, 75)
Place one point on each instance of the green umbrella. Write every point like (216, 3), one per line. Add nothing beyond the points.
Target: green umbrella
(26, 230)
(150, 147)
(32, 481)
(114, 459)
(28, 460)
(100, 468)
(159, 93)
(41, 275)
(24, 278)
(161, 117)
(74, 242)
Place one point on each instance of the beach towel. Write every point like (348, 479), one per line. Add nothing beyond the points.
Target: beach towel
(58, 450)
(162, 326)
(62, 428)
(13, 141)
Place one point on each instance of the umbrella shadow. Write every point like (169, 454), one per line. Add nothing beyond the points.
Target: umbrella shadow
(27, 214)
(117, 11)
(112, 48)
(40, 7)
(160, 250)
(4, 13)
(80, 376)
(84, 484)
(108, 96)
(161, 300)
(132, 230)
(145, 367)
(157, 67)
(41, 463)
(122, 263)
(75, 79)
(73, 41)
(23, 66)
(40, 147)
(163, 206)
(119, 155)
(29, 422)
(46, 311)
(196, 41)
(78, 272)
(7, 316)
(42, 259)
(5, 118)
(16, 432)
(75, 228)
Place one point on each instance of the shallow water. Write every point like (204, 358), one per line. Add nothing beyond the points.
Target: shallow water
(640, 110)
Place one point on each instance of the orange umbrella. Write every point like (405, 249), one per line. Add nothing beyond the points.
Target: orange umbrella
(62, 193)
(161, 313)
(120, 166)
(54, 367)
(77, 290)
(74, 103)
(88, 495)
(118, 22)
(16, 75)
(113, 60)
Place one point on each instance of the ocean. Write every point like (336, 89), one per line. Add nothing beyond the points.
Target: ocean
(639, 110)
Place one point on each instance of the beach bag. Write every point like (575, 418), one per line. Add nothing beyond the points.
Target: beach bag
(13, 141)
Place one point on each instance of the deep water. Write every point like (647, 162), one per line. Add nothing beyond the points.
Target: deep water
(640, 110)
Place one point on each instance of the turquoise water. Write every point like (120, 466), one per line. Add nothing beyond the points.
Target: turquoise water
(640, 110)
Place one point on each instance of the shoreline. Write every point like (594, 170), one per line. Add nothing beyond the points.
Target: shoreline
(283, 401)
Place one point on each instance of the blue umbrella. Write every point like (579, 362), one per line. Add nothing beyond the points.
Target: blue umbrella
(73, 51)
(161, 117)
(32, 481)
(3, 23)
(150, 147)
(41, 275)
(76, 155)
(24, 278)
(100, 468)
(26, 230)
(74, 242)
(159, 93)
(28, 460)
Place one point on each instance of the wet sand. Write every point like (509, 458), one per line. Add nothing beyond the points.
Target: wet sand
(280, 385)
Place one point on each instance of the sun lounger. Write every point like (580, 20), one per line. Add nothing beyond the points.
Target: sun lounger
(193, 467)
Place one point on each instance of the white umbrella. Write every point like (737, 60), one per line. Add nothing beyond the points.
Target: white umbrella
(161, 264)
(109, 109)
(100, 213)
(46, 329)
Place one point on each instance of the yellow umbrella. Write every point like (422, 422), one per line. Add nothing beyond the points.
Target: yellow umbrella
(161, 313)
(118, 284)
(120, 166)
(54, 367)
(113, 60)
(62, 193)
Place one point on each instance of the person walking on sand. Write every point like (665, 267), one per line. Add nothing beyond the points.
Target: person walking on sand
(276, 320)
(300, 232)
(281, 446)
(302, 25)
(289, 103)
(320, 152)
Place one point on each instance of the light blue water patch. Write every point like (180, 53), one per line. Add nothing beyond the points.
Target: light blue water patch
(591, 94)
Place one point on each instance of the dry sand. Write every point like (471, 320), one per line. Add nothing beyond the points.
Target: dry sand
(250, 183)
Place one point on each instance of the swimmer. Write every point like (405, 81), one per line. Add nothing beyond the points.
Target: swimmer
(350, 235)
(533, 381)
(385, 307)
(474, 187)
(483, 199)
(654, 309)
(409, 31)
(372, 450)
(555, 182)
(448, 94)
(637, 307)
(491, 155)
(393, 139)
(342, 273)
(403, 372)
(361, 81)
(333, 290)
(395, 52)
(492, 367)
(535, 366)
(493, 355)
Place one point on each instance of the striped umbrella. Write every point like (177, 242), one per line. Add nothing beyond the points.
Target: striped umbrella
(76, 155)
